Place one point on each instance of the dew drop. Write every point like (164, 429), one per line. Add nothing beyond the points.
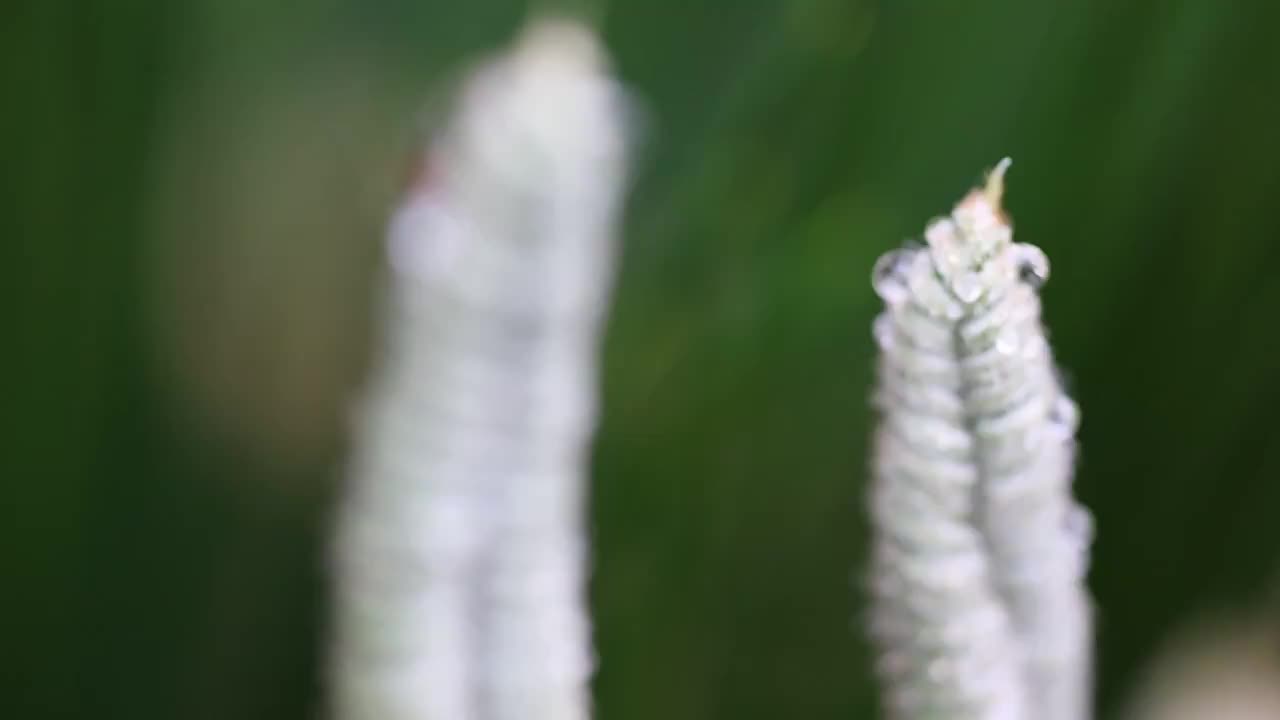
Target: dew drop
(967, 286)
(888, 277)
(1034, 347)
(1008, 341)
(1065, 415)
(1078, 524)
(1078, 527)
(882, 329)
(1033, 264)
(425, 239)
(940, 233)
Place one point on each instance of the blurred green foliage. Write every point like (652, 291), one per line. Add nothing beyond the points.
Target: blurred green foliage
(166, 560)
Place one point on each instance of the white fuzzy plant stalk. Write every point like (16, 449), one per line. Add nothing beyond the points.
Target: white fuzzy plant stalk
(979, 551)
(460, 558)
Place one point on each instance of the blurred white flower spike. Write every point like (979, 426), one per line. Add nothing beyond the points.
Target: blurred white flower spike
(979, 553)
(461, 552)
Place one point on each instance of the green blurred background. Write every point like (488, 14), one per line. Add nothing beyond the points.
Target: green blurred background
(192, 203)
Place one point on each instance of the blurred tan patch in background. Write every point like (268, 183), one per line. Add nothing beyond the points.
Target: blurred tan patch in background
(1223, 668)
(269, 202)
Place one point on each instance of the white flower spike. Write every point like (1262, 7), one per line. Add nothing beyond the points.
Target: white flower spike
(461, 554)
(980, 552)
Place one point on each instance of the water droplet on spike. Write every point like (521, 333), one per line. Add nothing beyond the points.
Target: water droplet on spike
(1008, 341)
(1065, 415)
(940, 233)
(1034, 347)
(425, 239)
(1078, 525)
(888, 277)
(1033, 264)
(967, 286)
(882, 329)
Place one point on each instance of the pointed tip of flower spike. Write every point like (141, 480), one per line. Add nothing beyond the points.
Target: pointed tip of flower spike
(994, 189)
(986, 202)
(976, 231)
